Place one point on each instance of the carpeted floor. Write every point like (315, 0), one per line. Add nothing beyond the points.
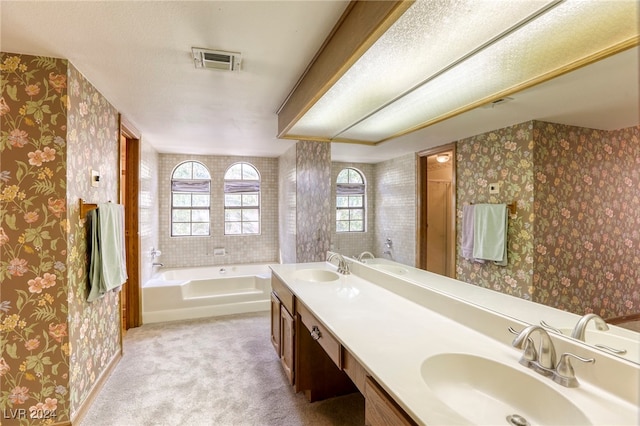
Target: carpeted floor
(212, 371)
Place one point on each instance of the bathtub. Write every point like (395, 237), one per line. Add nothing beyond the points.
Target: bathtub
(186, 293)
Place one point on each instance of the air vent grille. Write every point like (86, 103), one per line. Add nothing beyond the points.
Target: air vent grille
(216, 59)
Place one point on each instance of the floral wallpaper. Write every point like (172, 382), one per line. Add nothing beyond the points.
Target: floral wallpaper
(587, 208)
(94, 328)
(503, 156)
(313, 186)
(574, 241)
(54, 344)
(34, 362)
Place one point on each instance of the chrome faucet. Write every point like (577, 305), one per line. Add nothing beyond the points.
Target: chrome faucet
(581, 326)
(363, 254)
(157, 264)
(545, 363)
(343, 266)
(546, 354)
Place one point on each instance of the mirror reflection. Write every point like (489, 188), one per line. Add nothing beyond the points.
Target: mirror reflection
(573, 241)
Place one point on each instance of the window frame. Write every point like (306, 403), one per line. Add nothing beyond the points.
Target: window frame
(353, 192)
(176, 181)
(240, 185)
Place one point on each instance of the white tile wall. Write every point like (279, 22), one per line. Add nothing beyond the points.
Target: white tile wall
(395, 208)
(354, 243)
(148, 208)
(198, 251)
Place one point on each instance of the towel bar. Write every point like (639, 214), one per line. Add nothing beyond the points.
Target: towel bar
(86, 208)
(512, 208)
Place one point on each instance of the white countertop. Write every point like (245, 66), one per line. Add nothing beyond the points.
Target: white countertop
(391, 336)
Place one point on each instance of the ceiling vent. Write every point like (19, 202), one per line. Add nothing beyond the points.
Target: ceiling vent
(216, 59)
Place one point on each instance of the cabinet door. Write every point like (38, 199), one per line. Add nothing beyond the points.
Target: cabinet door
(275, 324)
(287, 334)
(380, 409)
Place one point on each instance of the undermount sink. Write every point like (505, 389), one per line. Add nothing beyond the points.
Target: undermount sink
(316, 275)
(486, 392)
(389, 268)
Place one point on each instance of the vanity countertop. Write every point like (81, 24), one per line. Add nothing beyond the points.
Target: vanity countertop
(391, 336)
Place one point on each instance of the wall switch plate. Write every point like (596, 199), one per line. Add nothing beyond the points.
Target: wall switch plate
(95, 178)
(494, 188)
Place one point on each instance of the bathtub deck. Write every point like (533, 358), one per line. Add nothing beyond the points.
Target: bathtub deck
(222, 294)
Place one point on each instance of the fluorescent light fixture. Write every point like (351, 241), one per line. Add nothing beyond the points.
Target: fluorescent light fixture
(440, 60)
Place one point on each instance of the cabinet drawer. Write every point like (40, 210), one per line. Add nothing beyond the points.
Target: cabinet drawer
(320, 334)
(282, 291)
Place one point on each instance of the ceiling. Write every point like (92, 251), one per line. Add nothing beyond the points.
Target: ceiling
(138, 54)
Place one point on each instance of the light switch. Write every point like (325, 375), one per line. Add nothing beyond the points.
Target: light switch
(494, 188)
(95, 178)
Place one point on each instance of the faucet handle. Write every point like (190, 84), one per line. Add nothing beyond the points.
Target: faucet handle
(564, 374)
(529, 353)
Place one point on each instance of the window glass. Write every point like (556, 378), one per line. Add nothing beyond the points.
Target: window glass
(190, 200)
(242, 200)
(350, 206)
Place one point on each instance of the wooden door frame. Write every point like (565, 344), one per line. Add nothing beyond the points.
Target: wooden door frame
(132, 179)
(421, 207)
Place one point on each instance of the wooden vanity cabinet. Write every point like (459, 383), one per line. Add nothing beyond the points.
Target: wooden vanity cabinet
(380, 409)
(287, 346)
(319, 371)
(275, 324)
(283, 325)
(317, 364)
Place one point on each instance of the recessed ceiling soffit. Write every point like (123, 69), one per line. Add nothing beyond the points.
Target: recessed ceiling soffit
(418, 63)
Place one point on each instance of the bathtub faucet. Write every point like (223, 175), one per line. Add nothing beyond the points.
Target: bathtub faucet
(157, 264)
(343, 266)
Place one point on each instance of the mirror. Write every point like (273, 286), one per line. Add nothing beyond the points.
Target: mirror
(598, 285)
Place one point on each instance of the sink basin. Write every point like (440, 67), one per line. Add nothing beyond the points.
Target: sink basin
(389, 268)
(487, 392)
(316, 275)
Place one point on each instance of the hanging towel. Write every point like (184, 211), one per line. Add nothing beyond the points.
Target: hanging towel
(107, 260)
(490, 233)
(468, 212)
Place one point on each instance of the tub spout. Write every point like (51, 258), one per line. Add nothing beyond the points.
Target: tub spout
(157, 264)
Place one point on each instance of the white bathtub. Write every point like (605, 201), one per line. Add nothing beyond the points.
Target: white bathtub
(178, 294)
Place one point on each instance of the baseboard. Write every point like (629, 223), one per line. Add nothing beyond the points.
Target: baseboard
(86, 404)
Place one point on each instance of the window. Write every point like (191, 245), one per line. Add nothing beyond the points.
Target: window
(241, 200)
(350, 190)
(190, 199)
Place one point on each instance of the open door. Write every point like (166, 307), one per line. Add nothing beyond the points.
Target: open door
(436, 239)
(130, 297)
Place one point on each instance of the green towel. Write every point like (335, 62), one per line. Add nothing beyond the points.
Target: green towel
(490, 233)
(96, 287)
(107, 260)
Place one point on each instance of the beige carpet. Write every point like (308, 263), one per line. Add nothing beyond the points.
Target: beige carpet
(212, 371)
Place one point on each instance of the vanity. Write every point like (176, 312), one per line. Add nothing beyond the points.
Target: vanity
(420, 355)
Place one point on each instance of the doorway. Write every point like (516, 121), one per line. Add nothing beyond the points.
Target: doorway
(436, 245)
(130, 298)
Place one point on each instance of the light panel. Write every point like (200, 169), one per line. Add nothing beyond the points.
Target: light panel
(414, 58)
(428, 37)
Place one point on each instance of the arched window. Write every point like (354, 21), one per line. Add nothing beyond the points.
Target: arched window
(241, 200)
(350, 191)
(190, 199)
